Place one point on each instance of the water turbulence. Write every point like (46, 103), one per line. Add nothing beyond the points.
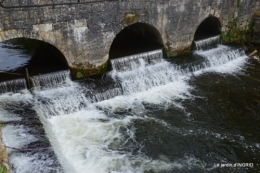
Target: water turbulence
(140, 124)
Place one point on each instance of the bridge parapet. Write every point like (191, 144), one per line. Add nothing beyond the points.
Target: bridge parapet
(39, 3)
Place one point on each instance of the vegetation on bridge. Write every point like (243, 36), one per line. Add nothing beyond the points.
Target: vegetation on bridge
(237, 35)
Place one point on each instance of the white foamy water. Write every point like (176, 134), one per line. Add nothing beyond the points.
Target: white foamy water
(88, 138)
(144, 78)
(91, 143)
(17, 136)
(7, 99)
(164, 82)
(37, 162)
(166, 94)
(223, 60)
(6, 116)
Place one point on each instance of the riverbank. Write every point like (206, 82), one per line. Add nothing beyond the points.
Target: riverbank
(4, 161)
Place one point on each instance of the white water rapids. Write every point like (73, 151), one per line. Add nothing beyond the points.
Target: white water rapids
(87, 137)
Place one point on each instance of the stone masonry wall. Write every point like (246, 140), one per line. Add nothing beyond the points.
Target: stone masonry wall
(85, 32)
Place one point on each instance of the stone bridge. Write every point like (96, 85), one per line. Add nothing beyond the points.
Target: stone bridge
(84, 30)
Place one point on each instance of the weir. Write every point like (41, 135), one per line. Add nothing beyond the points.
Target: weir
(208, 43)
(221, 55)
(13, 86)
(105, 95)
(212, 58)
(114, 128)
(50, 79)
(138, 60)
(40, 81)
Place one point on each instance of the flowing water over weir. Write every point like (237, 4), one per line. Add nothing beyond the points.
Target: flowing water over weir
(145, 115)
(134, 61)
(13, 86)
(208, 43)
(51, 79)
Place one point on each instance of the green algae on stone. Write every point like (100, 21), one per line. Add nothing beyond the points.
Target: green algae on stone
(82, 70)
(130, 17)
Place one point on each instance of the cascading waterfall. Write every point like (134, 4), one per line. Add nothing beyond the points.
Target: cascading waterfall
(13, 85)
(223, 59)
(141, 78)
(96, 133)
(214, 58)
(163, 73)
(30, 150)
(137, 60)
(208, 43)
(41, 81)
(105, 95)
(50, 79)
(128, 63)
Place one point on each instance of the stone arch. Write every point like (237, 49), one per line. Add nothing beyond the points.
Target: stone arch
(135, 37)
(43, 57)
(39, 32)
(211, 16)
(209, 27)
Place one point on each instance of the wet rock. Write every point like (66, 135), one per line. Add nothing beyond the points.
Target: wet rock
(256, 31)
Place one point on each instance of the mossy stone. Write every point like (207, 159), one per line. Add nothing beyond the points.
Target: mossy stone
(79, 75)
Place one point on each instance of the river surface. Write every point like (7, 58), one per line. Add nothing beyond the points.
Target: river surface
(197, 113)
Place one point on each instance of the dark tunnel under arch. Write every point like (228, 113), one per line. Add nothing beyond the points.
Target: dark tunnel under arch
(209, 27)
(136, 38)
(42, 58)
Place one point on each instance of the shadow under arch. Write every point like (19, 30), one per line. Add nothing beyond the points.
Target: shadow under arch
(37, 56)
(209, 27)
(136, 38)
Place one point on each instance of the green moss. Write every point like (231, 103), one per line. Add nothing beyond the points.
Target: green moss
(170, 53)
(234, 34)
(238, 3)
(185, 51)
(79, 75)
(257, 14)
(130, 17)
(83, 70)
(3, 169)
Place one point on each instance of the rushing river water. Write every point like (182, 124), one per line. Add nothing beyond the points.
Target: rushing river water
(148, 114)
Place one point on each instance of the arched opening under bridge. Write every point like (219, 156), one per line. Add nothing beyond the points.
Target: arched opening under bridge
(37, 56)
(210, 27)
(134, 39)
